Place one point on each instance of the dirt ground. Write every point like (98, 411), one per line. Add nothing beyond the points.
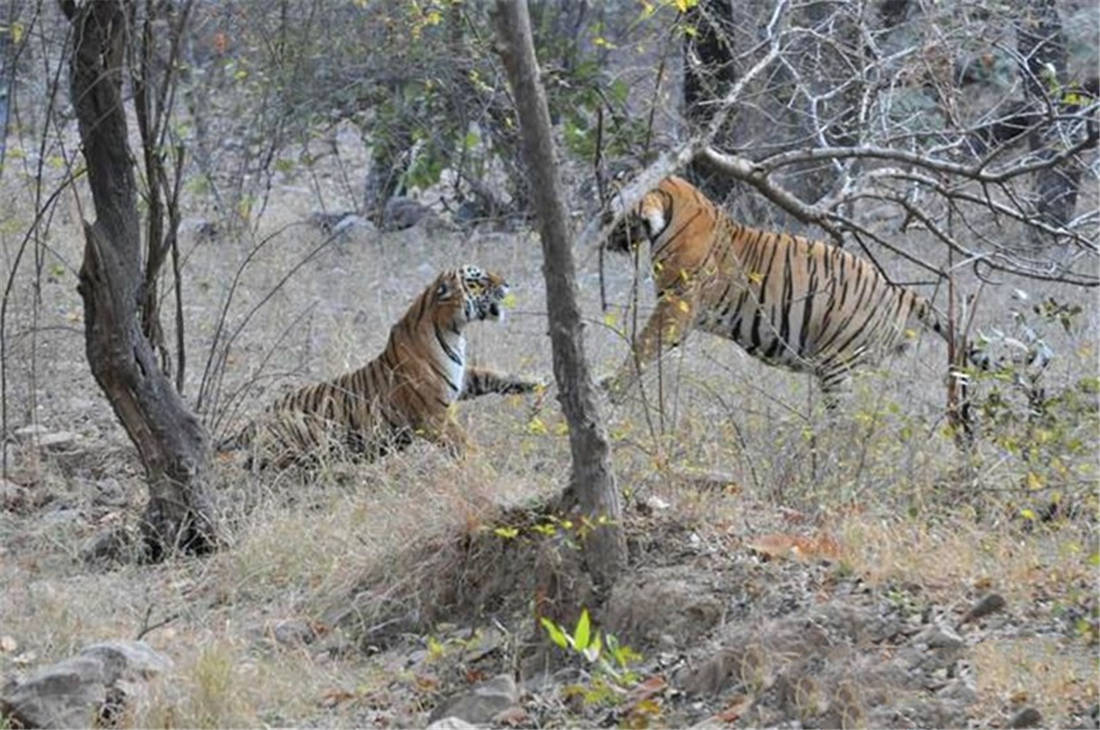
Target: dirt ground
(785, 570)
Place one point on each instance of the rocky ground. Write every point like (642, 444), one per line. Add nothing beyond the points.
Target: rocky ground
(755, 616)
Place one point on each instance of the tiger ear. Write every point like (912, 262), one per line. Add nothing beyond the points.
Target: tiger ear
(443, 289)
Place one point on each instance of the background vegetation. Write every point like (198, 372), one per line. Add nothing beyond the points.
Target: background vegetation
(306, 135)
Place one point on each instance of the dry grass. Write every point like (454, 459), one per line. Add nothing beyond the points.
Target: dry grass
(885, 479)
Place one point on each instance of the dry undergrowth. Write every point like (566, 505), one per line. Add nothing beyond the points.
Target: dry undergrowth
(915, 521)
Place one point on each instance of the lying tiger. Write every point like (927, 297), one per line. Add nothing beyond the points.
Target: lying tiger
(802, 304)
(408, 390)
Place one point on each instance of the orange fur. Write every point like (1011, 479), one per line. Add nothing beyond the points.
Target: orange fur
(790, 301)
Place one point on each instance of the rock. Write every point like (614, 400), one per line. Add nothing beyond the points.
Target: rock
(294, 632)
(336, 224)
(26, 433)
(45, 439)
(109, 493)
(940, 637)
(114, 543)
(123, 657)
(401, 212)
(991, 603)
(67, 694)
(62, 516)
(1027, 717)
(482, 704)
(451, 723)
(79, 691)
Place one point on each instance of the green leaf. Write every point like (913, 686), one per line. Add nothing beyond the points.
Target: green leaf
(592, 652)
(506, 532)
(556, 634)
(581, 632)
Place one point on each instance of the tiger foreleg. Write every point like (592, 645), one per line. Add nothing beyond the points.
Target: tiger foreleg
(481, 381)
(666, 328)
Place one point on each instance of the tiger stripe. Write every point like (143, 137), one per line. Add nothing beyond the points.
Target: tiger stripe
(790, 301)
(407, 389)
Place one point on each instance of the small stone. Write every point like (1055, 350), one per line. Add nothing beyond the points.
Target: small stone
(482, 704)
(939, 637)
(294, 632)
(45, 439)
(1027, 717)
(991, 603)
(656, 504)
(26, 433)
(451, 723)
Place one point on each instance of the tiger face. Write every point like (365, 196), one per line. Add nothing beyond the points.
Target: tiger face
(645, 223)
(470, 293)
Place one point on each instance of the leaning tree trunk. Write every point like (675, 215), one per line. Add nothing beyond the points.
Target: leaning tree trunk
(170, 440)
(591, 491)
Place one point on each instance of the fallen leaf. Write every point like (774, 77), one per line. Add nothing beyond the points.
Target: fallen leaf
(644, 690)
(773, 546)
(512, 716)
(733, 711)
(798, 547)
(8, 644)
(426, 681)
(334, 696)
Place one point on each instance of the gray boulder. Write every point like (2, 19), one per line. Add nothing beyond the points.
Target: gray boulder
(85, 689)
(480, 705)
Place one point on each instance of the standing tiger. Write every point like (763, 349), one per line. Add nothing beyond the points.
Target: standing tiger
(408, 390)
(802, 304)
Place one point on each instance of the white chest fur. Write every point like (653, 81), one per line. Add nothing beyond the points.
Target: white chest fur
(453, 347)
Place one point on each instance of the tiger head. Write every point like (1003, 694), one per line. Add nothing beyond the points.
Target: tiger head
(646, 222)
(468, 293)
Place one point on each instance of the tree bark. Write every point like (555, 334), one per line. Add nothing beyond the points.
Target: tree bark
(1041, 42)
(592, 490)
(170, 440)
(706, 80)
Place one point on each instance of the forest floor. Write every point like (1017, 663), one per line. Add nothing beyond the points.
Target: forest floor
(785, 570)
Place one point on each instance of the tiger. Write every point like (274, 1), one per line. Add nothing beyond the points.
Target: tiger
(408, 390)
(803, 304)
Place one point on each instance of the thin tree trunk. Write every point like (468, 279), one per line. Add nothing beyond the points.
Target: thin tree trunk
(592, 490)
(170, 440)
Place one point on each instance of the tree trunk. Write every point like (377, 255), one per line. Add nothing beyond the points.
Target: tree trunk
(170, 440)
(709, 72)
(1042, 43)
(592, 490)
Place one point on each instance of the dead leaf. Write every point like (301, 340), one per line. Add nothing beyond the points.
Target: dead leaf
(426, 681)
(773, 546)
(512, 716)
(8, 644)
(798, 547)
(334, 696)
(645, 689)
(473, 676)
(733, 711)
